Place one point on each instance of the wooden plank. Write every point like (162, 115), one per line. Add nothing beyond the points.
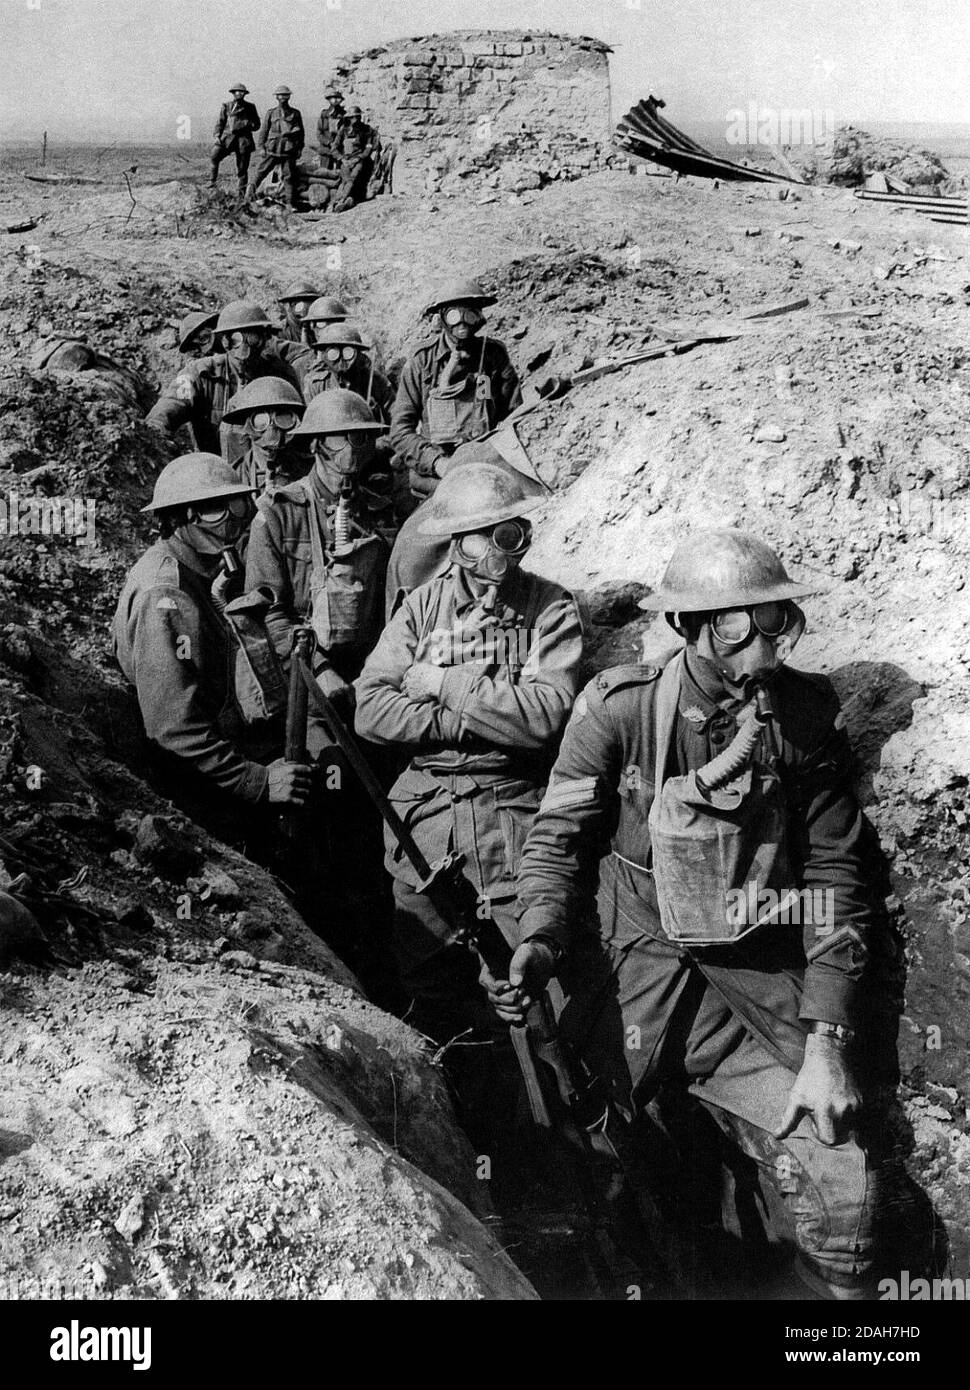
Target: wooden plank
(771, 311)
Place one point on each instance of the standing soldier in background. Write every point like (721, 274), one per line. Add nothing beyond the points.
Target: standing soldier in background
(456, 386)
(267, 411)
(281, 141)
(236, 124)
(200, 394)
(174, 648)
(329, 129)
(473, 678)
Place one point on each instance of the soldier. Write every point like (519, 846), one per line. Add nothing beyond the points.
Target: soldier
(267, 411)
(341, 360)
(329, 128)
(474, 677)
(322, 312)
(195, 334)
(296, 301)
(237, 121)
(281, 140)
(200, 393)
(319, 546)
(418, 557)
(456, 386)
(697, 978)
(173, 646)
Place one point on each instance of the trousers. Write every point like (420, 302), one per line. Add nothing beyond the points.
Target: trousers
(645, 1017)
(287, 163)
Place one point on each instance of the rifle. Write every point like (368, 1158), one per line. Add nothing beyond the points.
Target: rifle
(585, 1121)
(295, 749)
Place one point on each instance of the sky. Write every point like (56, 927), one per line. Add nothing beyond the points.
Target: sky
(130, 69)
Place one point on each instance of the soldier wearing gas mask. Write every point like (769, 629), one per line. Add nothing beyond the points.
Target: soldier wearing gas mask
(267, 411)
(319, 545)
(700, 877)
(341, 359)
(174, 649)
(473, 679)
(456, 387)
(200, 393)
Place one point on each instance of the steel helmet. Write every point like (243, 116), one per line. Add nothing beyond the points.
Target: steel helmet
(194, 478)
(340, 335)
(282, 91)
(471, 497)
(194, 323)
(356, 111)
(326, 309)
(240, 314)
(459, 292)
(265, 393)
(239, 87)
(300, 289)
(337, 412)
(723, 569)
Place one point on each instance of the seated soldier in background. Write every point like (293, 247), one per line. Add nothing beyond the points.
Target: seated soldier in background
(173, 646)
(200, 393)
(267, 411)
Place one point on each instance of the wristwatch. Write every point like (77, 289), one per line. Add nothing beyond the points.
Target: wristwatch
(836, 1031)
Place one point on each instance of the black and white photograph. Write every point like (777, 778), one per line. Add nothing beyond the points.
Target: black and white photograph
(484, 670)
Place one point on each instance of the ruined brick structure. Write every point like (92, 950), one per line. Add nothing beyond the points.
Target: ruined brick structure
(509, 109)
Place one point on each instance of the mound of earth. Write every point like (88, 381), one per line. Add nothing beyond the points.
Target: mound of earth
(852, 155)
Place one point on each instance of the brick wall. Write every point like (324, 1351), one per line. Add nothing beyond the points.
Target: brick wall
(510, 109)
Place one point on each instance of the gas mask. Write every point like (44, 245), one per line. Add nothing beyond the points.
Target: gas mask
(211, 526)
(244, 348)
(267, 432)
(341, 360)
(461, 324)
(747, 645)
(489, 555)
(341, 458)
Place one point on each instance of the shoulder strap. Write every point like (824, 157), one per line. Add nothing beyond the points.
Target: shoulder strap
(317, 551)
(665, 716)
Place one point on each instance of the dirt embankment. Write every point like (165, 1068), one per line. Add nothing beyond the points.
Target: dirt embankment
(842, 440)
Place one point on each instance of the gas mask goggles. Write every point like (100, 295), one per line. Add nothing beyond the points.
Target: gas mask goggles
(343, 455)
(340, 359)
(218, 522)
(491, 554)
(244, 343)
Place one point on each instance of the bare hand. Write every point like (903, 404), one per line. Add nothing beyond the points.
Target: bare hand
(530, 970)
(335, 687)
(423, 681)
(825, 1090)
(289, 783)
